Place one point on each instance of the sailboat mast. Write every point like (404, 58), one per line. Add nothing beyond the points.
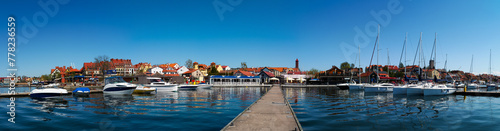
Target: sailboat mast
(388, 63)
(378, 33)
(490, 62)
(405, 51)
(446, 62)
(471, 65)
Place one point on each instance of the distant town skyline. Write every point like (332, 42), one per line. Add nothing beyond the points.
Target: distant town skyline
(261, 33)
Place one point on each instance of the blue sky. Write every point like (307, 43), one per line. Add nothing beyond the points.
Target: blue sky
(261, 33)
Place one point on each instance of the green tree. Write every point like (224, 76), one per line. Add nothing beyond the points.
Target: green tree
(314, 72)
(401, 65)
(189, 64)
(213, 71)
(346, 65)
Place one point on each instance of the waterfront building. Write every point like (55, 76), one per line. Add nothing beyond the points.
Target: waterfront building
(91, 69)
(267, 77)
(141, 68)
(181, 70)
(193, 74)
(121, 66)
(243, 73)
(156, 70)
(235, 80)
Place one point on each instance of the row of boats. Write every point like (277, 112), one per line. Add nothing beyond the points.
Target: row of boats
(116, 85)
(423, 88)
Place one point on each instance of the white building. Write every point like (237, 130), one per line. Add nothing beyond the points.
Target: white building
(181, 70)
(156, 70)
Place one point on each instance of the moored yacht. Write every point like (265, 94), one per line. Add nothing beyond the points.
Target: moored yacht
(418, 89)
(187, 87)
(205, 86)
(158, 83)
(355, 86)
(343, 86)
(439, 89)
(48, 92)
(472, 86)
(116, 85)
(379, 88)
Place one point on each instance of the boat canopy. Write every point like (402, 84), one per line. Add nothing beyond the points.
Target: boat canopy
(114, 79)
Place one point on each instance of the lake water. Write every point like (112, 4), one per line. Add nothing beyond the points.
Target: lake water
(331, 109)
(202, 109)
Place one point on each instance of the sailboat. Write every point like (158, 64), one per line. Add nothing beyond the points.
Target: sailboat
(472, 85)
(377, 88)
(491, 84)
(401, 90)
(418, 88)
(353, 85)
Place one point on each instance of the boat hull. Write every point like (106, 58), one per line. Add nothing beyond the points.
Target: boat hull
(206, 86)
(356, 87)
(399, 90)
(435, 92)
(164, 87)
(343, 87)
(187, 87)
(414, 91)
(144, 91)
(376, 89)
(119, 90)
(48, 92)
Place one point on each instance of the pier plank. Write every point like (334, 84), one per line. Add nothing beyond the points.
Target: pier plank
(271, 112)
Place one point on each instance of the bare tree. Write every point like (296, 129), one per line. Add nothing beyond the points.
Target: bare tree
(244, 65)
(102, 63)
(189, 64)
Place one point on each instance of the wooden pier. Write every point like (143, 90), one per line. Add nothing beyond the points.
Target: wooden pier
(26, 94)
(271, 112)
(478, 93)
(302, 86)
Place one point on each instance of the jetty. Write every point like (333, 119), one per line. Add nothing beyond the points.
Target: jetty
(271, 112)
(478, 93)
(26, 94)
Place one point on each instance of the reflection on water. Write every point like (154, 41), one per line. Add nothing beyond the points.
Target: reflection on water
(202, 109)
(328, 109)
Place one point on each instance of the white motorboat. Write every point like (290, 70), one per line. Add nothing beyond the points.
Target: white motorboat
(418, 89)
(492, 85)
(472, 86)
(402, 90)
(483, 86)
(399, 90)
(205, 86)
(460, 85)
(354, 86)
(48, 92)
(187, 87)
(343, 86)
(379, 88)
(144, 90)
(51, 85)
(116, 85)
(439, 89)
(158, 83)
(450, 85)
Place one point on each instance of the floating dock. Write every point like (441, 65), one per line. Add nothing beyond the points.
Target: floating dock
(478, 93)
(271, 112)
(302, 86)
(26, 94)
(265, 85)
